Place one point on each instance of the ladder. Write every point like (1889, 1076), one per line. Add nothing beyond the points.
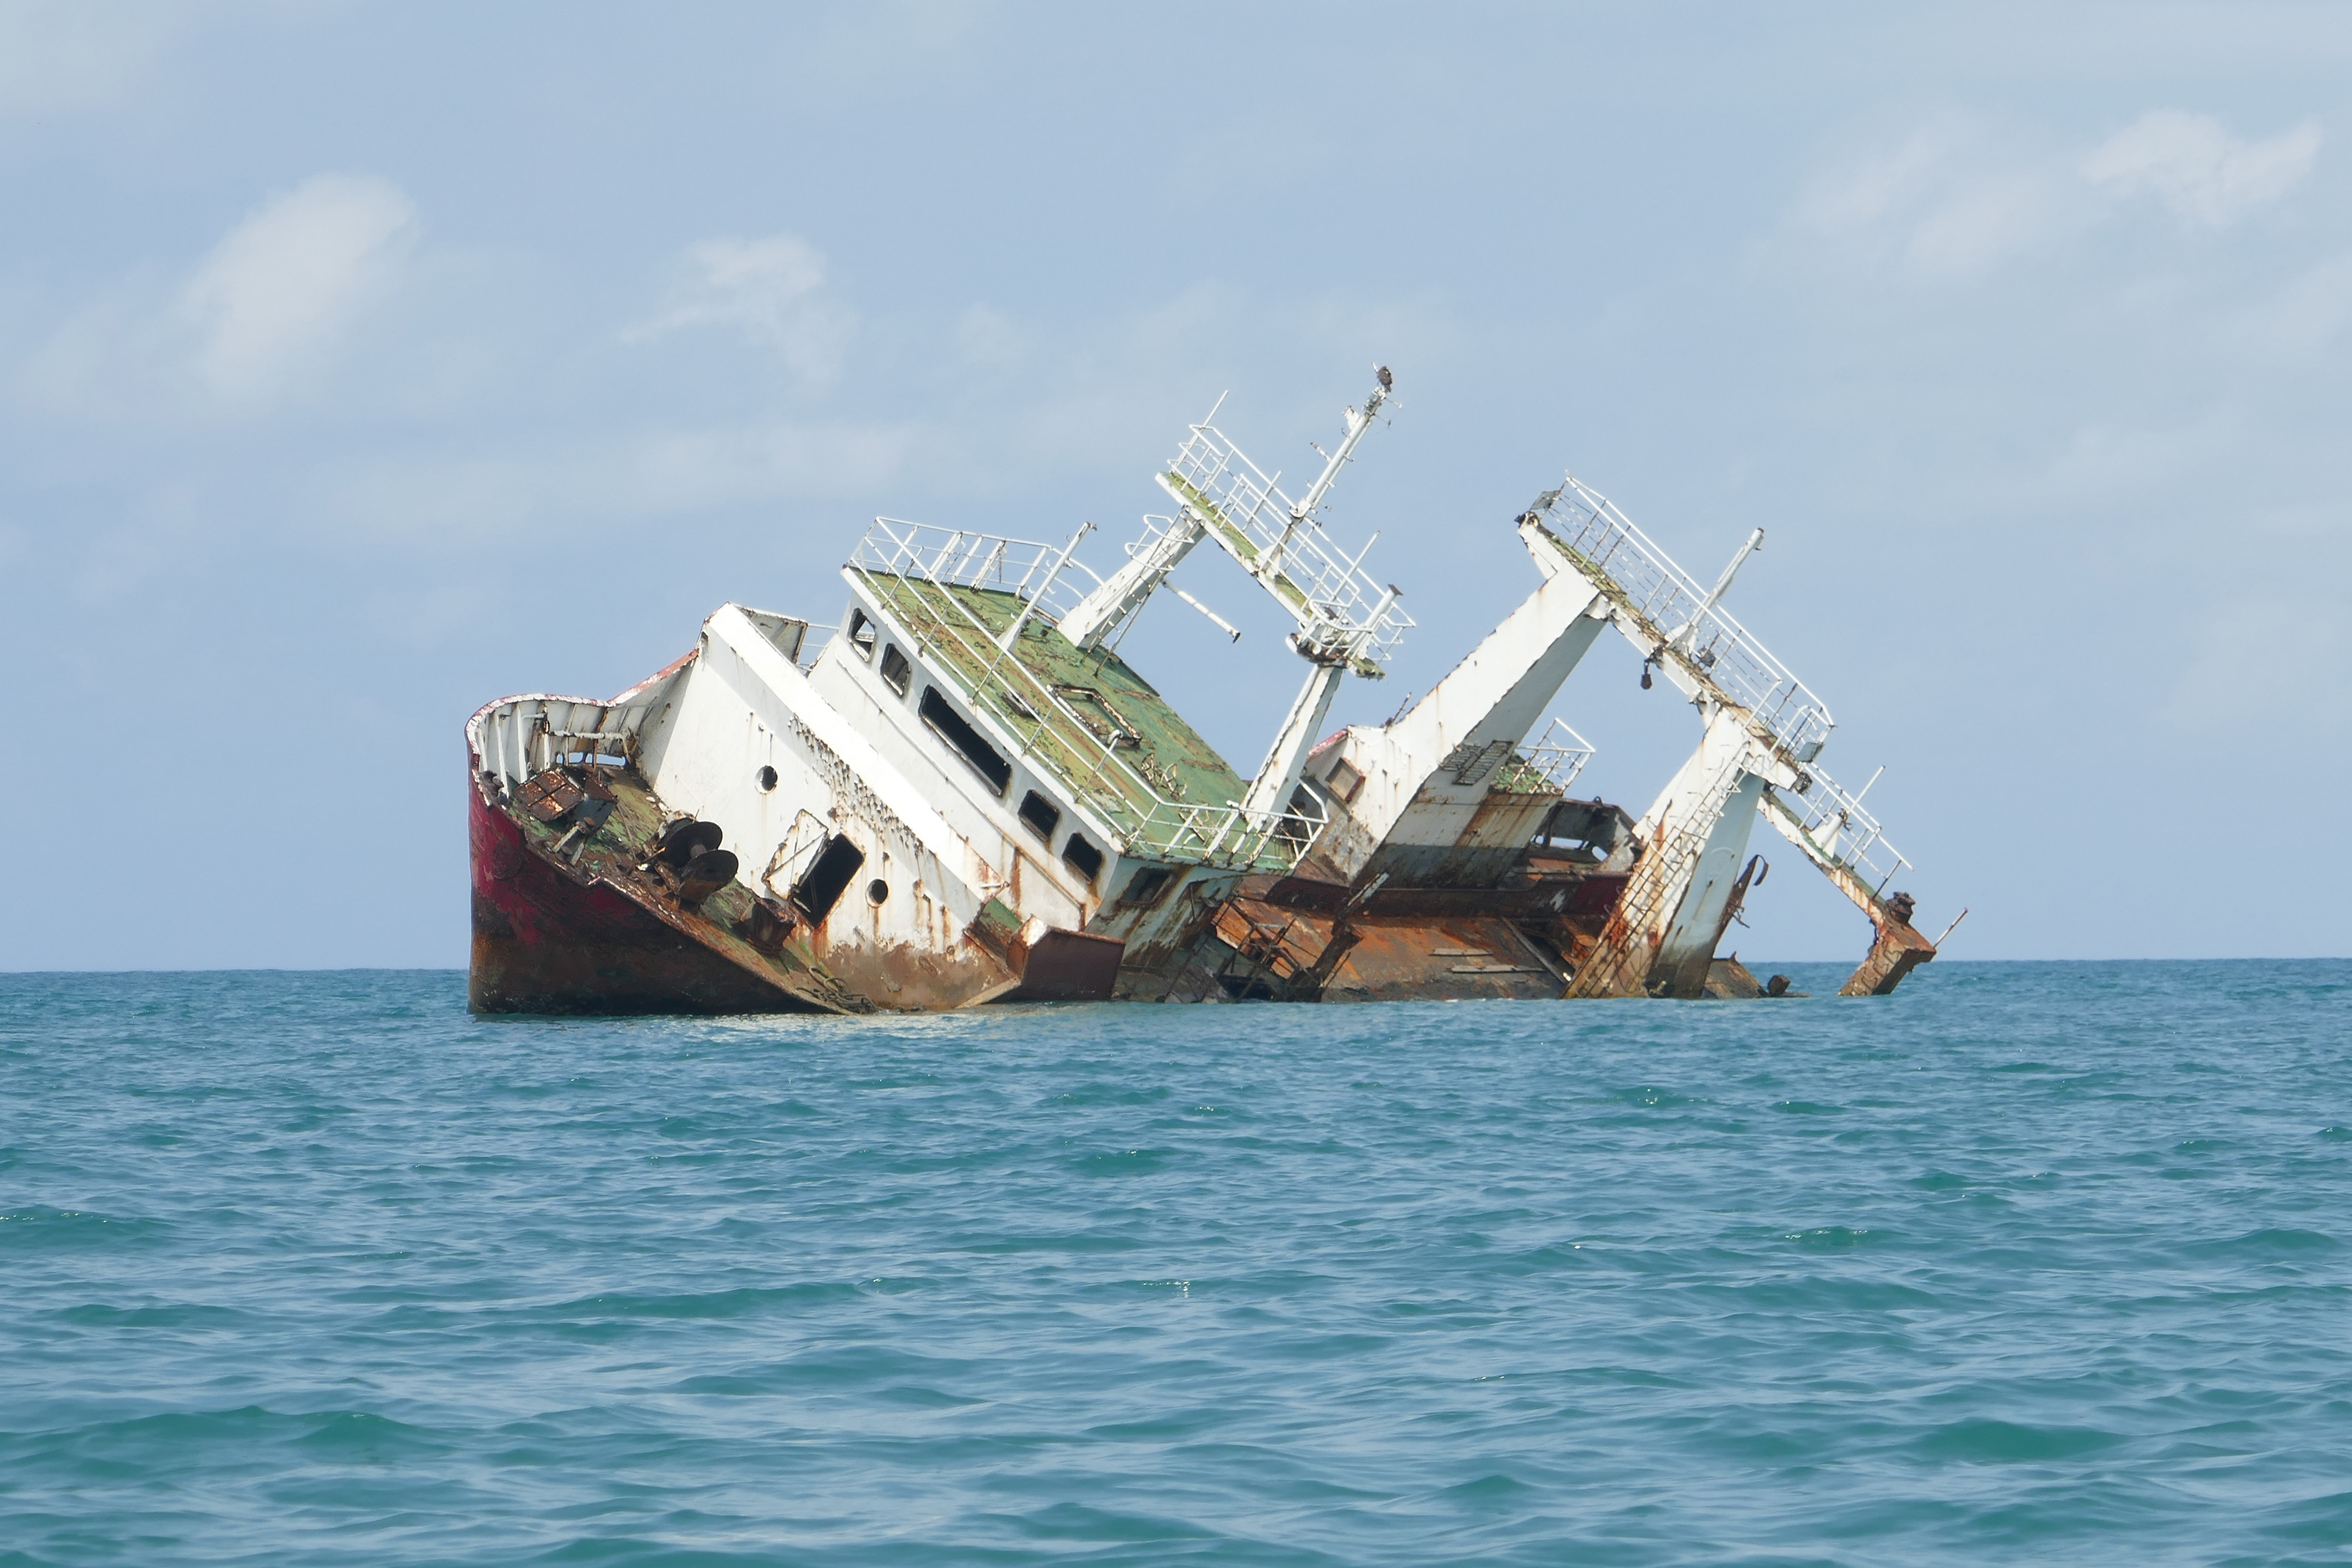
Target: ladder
(1618, 963)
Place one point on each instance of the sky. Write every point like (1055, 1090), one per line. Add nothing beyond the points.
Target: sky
(360, 364)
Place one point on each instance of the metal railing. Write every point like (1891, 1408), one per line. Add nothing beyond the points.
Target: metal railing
(1842, 829)
(1549, 767)
(1009, 696)
(1674, 612)
(1339, 605)
(521, 736)
(1036, 572)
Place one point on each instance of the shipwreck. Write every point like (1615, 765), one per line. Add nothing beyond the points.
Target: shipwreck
(960, 793)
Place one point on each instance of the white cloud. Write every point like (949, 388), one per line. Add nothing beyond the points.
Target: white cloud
(1961, 194)
(2193, 164)
(1951, 200)
(688, 469)
(1984, 219)
(649, 473)
(772, 290)
(281, 289)
(1877, 188)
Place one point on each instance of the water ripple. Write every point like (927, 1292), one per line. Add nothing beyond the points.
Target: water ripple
(2028, 1262)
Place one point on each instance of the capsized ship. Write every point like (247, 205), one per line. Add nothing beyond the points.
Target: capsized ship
(961, 792)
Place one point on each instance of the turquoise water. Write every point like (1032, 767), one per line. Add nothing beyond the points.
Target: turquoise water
(2027, 1263)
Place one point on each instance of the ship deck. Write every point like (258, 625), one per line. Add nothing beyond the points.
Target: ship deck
(1064, 704)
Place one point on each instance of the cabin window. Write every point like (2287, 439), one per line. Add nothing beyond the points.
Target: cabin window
(861, 635)
(767, 779)
(821, 886)
(1082, 857)
(1146, 885)
(1040, 816)
(1344, 780)
(968, 742)
(896, 671)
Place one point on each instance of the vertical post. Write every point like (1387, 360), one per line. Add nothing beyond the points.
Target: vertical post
(1004, 642)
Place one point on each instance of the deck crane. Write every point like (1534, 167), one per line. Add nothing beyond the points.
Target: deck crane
(1758, 752)
(1346, 622)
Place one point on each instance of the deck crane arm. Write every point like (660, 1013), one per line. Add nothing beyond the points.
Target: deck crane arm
(1345, 621)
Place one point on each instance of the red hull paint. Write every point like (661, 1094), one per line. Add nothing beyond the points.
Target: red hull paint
(546, 942)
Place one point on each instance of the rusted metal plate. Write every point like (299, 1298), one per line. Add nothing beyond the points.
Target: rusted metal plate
(1729, 980)
(1896, 952)
(549, 796)
(556, 796)
(1069, 966)
(1449, 959)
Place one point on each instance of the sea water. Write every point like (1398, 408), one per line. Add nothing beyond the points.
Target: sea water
(2027, 1263)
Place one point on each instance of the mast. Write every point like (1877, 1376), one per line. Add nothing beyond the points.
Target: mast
(1345, 621)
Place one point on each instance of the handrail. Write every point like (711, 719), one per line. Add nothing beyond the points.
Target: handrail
(1338, 605)
(1674, 614)
(517, 737)
(1007, 695)
(1839, 827)
(1550, 765)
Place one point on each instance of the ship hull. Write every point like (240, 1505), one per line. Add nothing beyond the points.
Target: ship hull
(543, 942)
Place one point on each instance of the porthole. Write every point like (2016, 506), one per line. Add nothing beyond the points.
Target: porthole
(767, 777)
(877, 890)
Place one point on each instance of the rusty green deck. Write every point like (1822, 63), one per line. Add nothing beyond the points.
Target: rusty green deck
(1113, 704)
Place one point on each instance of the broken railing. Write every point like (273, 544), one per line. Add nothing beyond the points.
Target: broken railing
(1549, 767)
(1146, 822)
(1674, 614)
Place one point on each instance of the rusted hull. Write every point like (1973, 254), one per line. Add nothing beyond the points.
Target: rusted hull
(559, 938)
(545, 942)
(1458, 959)
(1264, 950)
(1068, 966)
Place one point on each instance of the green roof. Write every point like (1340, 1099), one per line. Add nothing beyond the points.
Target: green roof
(1067, 708)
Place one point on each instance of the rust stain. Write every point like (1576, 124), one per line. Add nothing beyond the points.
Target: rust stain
(548, 939)
(1894, 951)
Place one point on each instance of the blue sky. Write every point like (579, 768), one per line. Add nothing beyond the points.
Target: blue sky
(358, 364)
